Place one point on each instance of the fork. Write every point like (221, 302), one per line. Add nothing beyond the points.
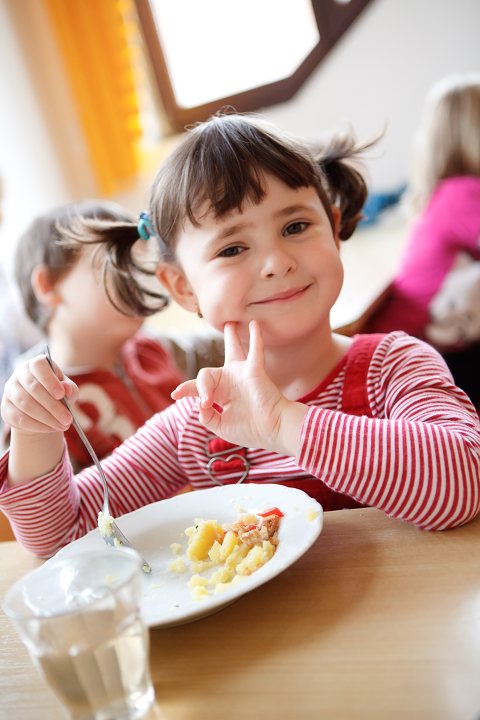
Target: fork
(109, 529)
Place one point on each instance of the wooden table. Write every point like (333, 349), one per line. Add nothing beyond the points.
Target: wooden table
(378, 621)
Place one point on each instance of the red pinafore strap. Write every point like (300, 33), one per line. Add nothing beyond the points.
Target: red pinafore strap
(354, 402)
(228, 463)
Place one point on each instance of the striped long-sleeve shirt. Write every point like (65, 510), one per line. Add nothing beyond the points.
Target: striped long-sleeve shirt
(416, 458)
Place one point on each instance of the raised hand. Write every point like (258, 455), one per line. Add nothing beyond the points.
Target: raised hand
(32, 397)
(239, 402)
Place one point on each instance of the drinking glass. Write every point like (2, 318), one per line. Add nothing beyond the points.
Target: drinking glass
(79, 617)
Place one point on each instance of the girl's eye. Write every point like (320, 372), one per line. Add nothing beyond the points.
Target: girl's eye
(295, 228)
(231, 251)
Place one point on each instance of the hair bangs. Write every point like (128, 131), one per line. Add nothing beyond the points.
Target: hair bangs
(223, 163)
(229, 166)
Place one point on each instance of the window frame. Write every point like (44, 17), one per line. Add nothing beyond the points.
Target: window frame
(333, 19)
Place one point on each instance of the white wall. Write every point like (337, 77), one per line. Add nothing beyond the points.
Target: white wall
(30, 176)
(377, 75)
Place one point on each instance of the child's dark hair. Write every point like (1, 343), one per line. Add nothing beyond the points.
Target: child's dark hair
(55, 240)
(222, 162)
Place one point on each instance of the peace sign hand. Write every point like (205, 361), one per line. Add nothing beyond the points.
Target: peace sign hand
(240, 403)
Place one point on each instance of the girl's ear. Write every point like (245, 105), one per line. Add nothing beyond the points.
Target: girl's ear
(44, 287)
(176, 284)
(337, 219)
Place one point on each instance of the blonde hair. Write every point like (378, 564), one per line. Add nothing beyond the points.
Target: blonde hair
(447, 142)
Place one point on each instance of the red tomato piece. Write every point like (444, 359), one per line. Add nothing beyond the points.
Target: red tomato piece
(271, 511)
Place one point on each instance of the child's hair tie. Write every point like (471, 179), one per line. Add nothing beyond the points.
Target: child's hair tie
(145, 227)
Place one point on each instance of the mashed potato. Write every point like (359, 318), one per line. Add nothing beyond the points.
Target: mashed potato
(226, 554)
(105, 523)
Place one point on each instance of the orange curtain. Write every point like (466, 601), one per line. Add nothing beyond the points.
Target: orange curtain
(98, 41)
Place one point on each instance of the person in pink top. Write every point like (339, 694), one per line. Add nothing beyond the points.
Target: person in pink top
(435, 294)
(248, 223)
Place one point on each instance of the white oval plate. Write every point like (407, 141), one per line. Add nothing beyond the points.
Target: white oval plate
(152, 529)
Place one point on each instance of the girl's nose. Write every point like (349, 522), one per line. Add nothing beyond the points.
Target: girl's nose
(277, 263)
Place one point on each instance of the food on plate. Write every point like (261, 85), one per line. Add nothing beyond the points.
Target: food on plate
(105, 524)
(231, 551)
(178, 565)
(201, 538)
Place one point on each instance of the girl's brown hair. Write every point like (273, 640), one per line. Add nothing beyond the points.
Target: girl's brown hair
(55, 240)
(221, 163)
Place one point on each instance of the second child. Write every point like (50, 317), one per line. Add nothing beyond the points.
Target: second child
(436, 292)
(124, 373)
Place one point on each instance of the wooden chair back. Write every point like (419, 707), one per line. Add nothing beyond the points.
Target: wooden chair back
(6, 532)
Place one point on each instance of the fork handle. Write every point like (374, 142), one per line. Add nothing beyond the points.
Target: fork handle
(80, 431)
(145, 565)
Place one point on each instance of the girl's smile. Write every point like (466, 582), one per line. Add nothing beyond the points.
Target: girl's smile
(292, 294)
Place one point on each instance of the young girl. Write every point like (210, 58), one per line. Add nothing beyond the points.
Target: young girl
(248, 224)
(435, 295)
(124, 375)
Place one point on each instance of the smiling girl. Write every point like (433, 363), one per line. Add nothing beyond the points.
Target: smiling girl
(248, 223)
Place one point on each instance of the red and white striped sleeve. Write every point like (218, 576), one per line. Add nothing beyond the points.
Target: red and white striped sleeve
(418, 458)
(49, 512)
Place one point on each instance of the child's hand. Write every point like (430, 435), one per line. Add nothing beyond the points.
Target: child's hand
(32, 398)
(240, 403)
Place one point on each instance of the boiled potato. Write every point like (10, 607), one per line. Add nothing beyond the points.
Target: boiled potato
(202, 537)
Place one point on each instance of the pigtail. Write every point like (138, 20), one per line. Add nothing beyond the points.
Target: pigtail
(125, 277)
(342, 181)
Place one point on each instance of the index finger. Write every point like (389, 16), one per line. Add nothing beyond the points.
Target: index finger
(233, 348)
(255, 351)
(49, 375)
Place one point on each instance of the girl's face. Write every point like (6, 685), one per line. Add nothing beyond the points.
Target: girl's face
(80, 302)
(276, 262)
